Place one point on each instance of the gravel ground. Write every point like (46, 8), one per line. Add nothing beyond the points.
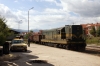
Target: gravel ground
(8, 57)
(39, 55)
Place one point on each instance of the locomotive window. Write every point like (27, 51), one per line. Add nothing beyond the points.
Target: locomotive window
(70, 30)
(58, 32)
(77, 28)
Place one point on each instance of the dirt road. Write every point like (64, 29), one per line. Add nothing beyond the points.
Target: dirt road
(39, 55)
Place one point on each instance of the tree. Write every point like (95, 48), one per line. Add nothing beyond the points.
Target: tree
(93, 31)
(28, 35)
(4, 31)
(98, 31)
(31, 31)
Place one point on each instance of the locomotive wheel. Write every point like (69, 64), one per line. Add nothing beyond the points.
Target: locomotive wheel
(46, 44)
(76, 48)
(61, 46)
(57, 45)
(64, 47)
(51, 44)
(68, 47)
(83, 49)
(41, 42)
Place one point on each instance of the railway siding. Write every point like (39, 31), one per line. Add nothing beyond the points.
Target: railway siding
(93, 46)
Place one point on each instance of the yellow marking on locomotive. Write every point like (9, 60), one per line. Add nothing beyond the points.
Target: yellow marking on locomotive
(70, 35)
(74, 35)
(61, 41)
(80, 36)
(56, 41)
(76, 42)
(67, 35)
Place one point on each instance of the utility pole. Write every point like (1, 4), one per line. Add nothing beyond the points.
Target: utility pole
(28, 18)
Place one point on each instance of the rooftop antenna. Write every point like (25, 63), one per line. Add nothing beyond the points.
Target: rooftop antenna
(73, 23)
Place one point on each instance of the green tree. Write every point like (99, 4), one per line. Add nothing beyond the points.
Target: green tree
(98, 31)
(93, 31)
(26, 36)
(29, 34)
(4, 31)
(31, 31)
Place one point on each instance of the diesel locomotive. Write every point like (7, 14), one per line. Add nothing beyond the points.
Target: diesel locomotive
(69, 37)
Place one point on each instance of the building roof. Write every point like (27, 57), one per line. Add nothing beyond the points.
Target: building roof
(15, 32)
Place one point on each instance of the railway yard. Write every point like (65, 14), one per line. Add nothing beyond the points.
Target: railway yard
(90, 49)
(41, 55)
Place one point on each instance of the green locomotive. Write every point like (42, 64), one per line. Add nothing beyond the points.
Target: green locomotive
(69, 37)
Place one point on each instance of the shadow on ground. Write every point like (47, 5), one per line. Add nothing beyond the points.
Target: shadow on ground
(18, 51)
(91, 51)
(25, 59)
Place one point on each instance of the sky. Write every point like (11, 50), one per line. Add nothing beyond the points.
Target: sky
(48, 14)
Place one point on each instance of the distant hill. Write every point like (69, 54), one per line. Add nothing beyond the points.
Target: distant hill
(20, 30)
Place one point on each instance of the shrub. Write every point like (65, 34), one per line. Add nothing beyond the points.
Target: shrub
(4, 31)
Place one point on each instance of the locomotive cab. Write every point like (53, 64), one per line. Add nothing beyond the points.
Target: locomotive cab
(75, 36)
(74, 32)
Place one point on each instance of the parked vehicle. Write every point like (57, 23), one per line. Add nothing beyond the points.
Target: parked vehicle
(18, 44)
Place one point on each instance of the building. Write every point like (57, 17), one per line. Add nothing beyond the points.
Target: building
(14, 31)
(9, 38)
(88, 27)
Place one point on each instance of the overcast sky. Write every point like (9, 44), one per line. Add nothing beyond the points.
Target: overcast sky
(48, 14)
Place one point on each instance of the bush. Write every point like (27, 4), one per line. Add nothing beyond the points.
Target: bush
(4, 31)
(2, 38)
(93, 40)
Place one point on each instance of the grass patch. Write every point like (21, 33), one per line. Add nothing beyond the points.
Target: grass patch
(93, 40)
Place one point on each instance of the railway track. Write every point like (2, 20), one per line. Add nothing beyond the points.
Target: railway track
(91, 49)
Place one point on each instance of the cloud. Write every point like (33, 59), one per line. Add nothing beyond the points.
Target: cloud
(50, 1)
(6, 13)
(44, 20)
(30, 0)
(11, 17)
(70, 11)
(87, 8)
(53, 17)
(16, 1)
(46, 0)
(54, 11)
